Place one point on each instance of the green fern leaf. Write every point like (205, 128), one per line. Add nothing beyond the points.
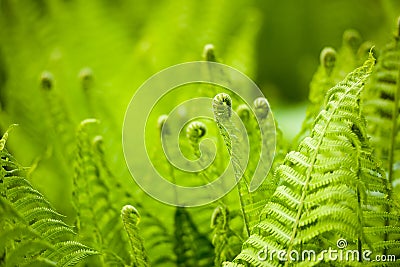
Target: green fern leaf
(381, 109)
(31, 228)
(299, 215)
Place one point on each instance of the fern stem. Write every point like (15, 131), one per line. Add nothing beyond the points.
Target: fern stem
(242, 204)
(222, 107)
(358, 191)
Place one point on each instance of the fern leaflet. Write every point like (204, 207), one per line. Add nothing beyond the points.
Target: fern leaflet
(34, 232)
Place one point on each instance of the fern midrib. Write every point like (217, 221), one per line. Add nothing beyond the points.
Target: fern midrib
(359, 209)
(309, 171)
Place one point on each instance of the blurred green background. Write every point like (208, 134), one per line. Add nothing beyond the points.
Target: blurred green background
(276, 43)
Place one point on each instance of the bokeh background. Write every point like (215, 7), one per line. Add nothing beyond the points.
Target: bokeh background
(100, 52)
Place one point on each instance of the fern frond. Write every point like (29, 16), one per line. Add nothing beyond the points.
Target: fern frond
(226, 244)
(31, 228)
(299, 216)
(131, 219)
(4, 138)
(28, 249)
(97, 215)
(70, 253)
(333, 68)
(59, 118)
(251, 203)
(269, 162)
(222, 107)
(113, 196)
(381, 109)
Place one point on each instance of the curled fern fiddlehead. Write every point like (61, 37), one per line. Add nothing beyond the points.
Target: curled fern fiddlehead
(209, 53)
(195, 131)
(262, 107)
(328, 59)
(251, 203)
(244, 112)
(59, 118)
(351, 40)
(347, 55)
(86, 77)
(131, 219)
(46, 80)
(161, 122)
(222, 105)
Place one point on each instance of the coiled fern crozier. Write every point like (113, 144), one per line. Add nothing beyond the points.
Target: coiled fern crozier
(32, 232)
(251, 203)
(131, 219)
(58, 116)
(331, 188)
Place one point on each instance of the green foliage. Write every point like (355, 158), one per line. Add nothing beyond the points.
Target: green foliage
(320, 195)
(251, 202)
(131, 219)
(32, 232)
(338, 179)
(98, 220)
(224, 239)
(381, 100)
(192, 248)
